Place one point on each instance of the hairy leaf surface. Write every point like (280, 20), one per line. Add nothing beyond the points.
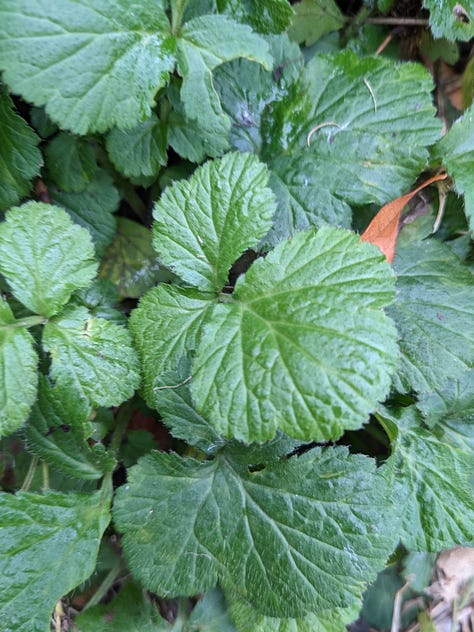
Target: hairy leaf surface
(202, 225)
(434, 314)
(45, 257)
(303, 347)
(101, 61)
(166, 327)
(18, 379)
(300, 535)
(450, 19)
(92, 356)
(70, 162)
(432, 485)
(20, 158)
(49, 546)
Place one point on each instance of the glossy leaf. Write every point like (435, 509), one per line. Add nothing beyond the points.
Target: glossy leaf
(18, 379)
(202, 225)
(100, 63)
(45, 257)
(92, 356)
(303, 346)
(20, 158)
(434, 314)
(300, 535)
(49, 546)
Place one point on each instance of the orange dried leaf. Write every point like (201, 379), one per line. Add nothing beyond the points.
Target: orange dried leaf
(383, 229)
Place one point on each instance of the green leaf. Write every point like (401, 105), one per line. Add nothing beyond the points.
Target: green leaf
(130, 261)
(101, 63)
(101, 299)
(166, 326)
(70, 162)
(92, 356)
(45, 257)
(456, 150)
(266, 16)
(19, 379)
(450, 19)
(303, 346)
(353, 157)
(173, 400)
(206, 42)
(450, 411)
(20, 158)
(129, 611)
(92, 208)
(248, 619)
(432, 485)
(140, 151)
(49, 546)
(210, 614)
(434, 314)
(300, 535)
(313, 19)
(204, 224)
(245, 89)
(57, 432)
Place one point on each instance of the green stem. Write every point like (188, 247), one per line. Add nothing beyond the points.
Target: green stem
(106, 585)
(30, 474)
(29, 321)
(45, 471)
(177, 10)
(122, 419)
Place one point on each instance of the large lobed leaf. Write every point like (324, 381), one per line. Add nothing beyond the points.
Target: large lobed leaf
(303, 345)
(45, 257)
(304, 534)
(49, 546)
(203, 225)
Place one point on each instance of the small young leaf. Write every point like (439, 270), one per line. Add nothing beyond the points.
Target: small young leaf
(300, 535)
(303, 346)
(101, 62)
(451, 19)
(92, 208)
(434, 314)
(140, 151)
(130, 261)
(49, 546)
(456, 150)
(20, 158)
(70, 162)
(166, 326)
(19, 379)
(313, 19)
(205, 43)
(92, 356)
(57, 432)
(432, 485)
(203, 225)
(45, 257)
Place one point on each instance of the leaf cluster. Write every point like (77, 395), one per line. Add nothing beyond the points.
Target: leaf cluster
(197, 350)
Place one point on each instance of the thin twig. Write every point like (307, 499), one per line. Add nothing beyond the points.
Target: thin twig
(397, 608)
(159, 388)
(398, 21)
(369, 88)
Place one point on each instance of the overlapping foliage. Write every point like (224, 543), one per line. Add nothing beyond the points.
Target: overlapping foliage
(265, 331)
